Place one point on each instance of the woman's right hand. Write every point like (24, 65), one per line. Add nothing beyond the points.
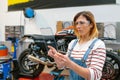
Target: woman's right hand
(54, 54)
(52, 51)
(60, 59)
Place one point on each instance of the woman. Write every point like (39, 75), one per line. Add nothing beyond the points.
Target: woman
(86, 32)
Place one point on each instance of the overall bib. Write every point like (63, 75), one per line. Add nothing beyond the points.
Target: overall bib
(74, 75)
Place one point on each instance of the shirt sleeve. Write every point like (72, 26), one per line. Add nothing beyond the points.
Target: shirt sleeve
(97, 60)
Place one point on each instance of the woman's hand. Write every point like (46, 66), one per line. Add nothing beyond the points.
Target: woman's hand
(52, 51)
(60, 59)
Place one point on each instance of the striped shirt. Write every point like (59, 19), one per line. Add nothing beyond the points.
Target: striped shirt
(96, 57)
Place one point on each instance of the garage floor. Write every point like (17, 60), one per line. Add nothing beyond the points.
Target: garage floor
(45, 75)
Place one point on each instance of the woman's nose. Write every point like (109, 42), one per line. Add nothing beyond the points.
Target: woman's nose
(78, 26)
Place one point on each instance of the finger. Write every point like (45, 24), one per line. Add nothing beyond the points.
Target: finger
(50, 53)
(58, 59)
(63, 58)
(53, 49)
(60, 55)
(67, 54)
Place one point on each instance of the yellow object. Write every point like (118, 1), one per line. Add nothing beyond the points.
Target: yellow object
(13, 2)
(12, 48)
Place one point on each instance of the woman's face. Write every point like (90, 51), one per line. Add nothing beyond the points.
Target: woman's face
(83, 26)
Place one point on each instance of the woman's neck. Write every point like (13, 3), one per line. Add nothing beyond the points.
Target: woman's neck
(84, 39)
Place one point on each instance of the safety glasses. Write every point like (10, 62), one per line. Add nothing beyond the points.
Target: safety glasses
(81, 23)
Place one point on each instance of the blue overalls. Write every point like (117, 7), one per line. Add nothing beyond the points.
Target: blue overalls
(74, 75)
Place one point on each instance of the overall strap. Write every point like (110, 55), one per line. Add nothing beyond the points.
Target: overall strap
(88, 50)
(74, 43)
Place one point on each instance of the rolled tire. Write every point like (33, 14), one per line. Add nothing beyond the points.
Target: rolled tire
(111, 69)
(27, 66)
